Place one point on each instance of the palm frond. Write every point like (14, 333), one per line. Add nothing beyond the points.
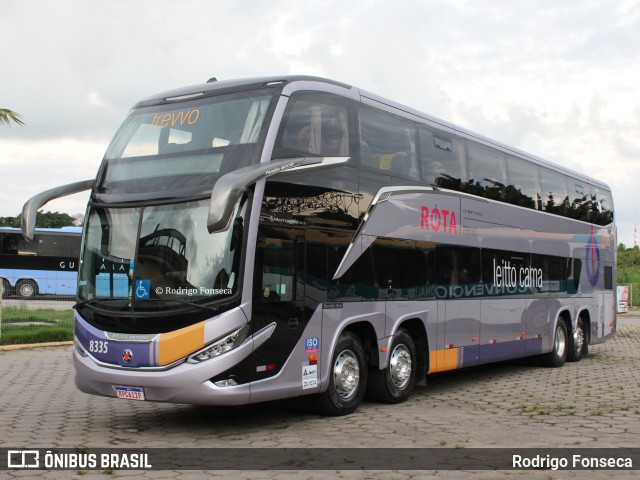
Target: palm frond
(7, 116)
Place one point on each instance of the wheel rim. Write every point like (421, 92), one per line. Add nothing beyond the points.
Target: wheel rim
(400, 366)
(26, 290)
(561, 342)
(346, 374)
(578, 338)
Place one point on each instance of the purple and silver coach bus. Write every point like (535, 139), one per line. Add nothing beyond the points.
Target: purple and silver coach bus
(251, 240)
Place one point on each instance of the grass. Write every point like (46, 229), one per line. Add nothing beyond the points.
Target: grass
(20, 325)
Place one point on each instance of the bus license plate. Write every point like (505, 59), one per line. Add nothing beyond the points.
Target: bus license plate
(129, 393)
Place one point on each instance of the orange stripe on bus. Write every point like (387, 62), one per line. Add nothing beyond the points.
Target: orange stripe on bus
(175, 345)
(443, 360)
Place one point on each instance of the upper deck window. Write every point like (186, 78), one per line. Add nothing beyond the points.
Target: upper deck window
(388, 143)
(314, 124)
(169, 142)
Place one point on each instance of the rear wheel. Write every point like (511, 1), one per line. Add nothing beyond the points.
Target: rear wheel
(6, 288)
(347, 379)
(558, 355)
(395, 383)
(578, 345)
(27, 288)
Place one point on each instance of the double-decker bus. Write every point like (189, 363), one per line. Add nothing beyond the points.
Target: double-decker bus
(259, 239)
(46, 266)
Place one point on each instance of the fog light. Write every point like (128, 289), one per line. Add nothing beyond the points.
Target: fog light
(224, 345)
(227, 382)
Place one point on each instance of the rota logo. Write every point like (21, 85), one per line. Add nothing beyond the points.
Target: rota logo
(437, 220)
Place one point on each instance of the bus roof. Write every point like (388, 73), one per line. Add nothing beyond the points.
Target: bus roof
(215, 87)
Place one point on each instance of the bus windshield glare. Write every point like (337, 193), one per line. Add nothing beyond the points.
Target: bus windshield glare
(173, 259)
(185, 144)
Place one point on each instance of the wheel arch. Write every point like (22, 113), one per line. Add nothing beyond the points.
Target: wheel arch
(366, 332)
(418, 333)
(563, 315)
(585, 314)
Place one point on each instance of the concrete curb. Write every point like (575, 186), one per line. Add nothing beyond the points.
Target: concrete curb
(4, 348)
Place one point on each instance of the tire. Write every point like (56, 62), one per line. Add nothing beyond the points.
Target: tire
(395, 383)
(27, 289)
(558, 355)
(578, 342)
(347, 379)
(6, 288)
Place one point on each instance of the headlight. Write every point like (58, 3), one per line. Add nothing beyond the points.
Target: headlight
(225, 344)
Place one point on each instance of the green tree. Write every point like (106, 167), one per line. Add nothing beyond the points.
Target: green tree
(7, 116)
(43, 220)
(9, 222)
(53, 220)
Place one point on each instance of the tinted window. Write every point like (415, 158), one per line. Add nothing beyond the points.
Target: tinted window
(602, 207)
(278, 269)
(457, 265)
(16, 244)
(440, 166)
(314, 124)
(52, 245)
(396, 269)
(580, 204)
(608, 278)
(523, 188)
(388, 143)
(555, 196)
(487, 172)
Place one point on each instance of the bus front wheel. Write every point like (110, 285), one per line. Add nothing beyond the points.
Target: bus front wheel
(347, 379)
(395, 383)
(27, 289)
(558, 355)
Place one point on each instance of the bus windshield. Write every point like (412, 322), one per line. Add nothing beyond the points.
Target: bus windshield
(185, 144)
(158, 257)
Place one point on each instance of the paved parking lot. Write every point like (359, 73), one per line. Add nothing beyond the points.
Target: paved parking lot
(590, 404)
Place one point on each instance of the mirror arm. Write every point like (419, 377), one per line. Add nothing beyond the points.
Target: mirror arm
(230, 187)
(31, 207)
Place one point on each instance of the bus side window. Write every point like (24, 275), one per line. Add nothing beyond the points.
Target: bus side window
(447, 265)
(439, 164)
(555, 196)
(314, 124)
(278, 270)
(426, 269)
(487, 172)
(579, 201)
(387, 142)
(469, 265)
(523, 186)
(396, 268)
(602, 211)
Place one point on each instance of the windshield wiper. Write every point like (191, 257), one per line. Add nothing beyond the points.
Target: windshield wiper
(183, 302)
(93, 301)
(96, 300)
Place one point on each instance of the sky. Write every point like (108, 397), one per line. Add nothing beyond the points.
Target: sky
(558, 79)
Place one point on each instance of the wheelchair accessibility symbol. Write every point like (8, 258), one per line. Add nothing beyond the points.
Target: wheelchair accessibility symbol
(143, 289)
